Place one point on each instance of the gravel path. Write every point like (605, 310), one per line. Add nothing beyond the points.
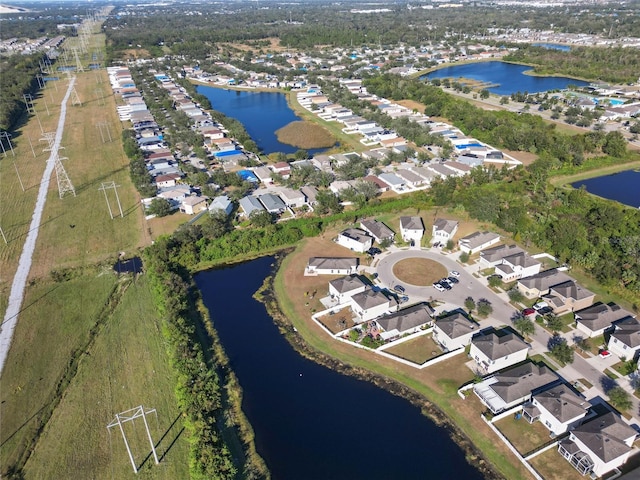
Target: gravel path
(24, 265)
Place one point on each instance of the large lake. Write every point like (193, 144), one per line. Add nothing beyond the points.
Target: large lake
(261, 113)
(311, 422)
(623, 187)
(508, 77)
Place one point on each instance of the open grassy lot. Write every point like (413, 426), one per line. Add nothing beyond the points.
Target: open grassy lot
(305, 134)
(419, 271)
(438, 384)
(523, 435)
(125, 367)
(417, 350)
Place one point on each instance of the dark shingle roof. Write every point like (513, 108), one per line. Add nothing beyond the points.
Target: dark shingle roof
(600, 315)
(369, 299)
(605, 436)
(406, 318)
(445, 225)
(411, 223)
(544, 280)
(519, 381)
(333, 263)
(456, 325)
(562, 403)
(628, 332)
(496, 347)
(347, 284)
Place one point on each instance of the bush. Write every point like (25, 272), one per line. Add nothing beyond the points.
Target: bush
(619, 398)
(515, 295)
(484, 307)
(464, 257)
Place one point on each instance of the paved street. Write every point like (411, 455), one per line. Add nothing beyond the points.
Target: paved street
(476, 287)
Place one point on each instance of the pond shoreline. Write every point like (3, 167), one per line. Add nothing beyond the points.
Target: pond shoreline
(266, 295)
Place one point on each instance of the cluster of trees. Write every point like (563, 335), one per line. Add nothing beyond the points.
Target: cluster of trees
(198, 384)
(611, 64)
(331, 24)
(501, 129)
(22, 80)
(140, 176)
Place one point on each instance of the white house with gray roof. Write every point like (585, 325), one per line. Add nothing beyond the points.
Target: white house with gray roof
(537, 285)
(412, 179)
(599, 446)
(331, 266)
(478, 241)
(597, 318)
(443, 230)
(492, 352)
(454, 331)
(512, 387)
(625, 339)
(310, 193)
(370, 304)
(272, 203)
(343, 288)
(221, 204)
(405, 321)
(411, 228)
(378, 230)
(396, 183)
(558, 408)
(493, 256)
(518, 265)
(292, 198)
(250, 204)
(355, 239)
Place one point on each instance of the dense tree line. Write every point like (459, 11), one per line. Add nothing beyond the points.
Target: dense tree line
(611, 64)
(324, 24)
(22, 80)
(140, 176)
(502, 129)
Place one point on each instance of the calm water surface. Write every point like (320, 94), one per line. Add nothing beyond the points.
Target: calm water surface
(311, 422)
(261, 113)
(508, 77)
(623, 187)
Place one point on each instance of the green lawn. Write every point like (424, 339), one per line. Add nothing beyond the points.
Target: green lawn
(523, 435)
(125, 367)
(417, 350)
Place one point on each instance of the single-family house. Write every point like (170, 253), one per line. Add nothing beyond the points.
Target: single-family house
(412, 179)
(167, 180)
(597, 318)
(272, 203)
(411, 229)
(370, 304)
(454, 331)
(292, 198)
(492, 352)
(221, 204)
(250, 204)
(263, 174)
(517, 265)
(441, 170)
(478, 241)
(343, 288)
(493, 256)
(405, 321)
(599, 445)
(396, 183)
(310, 193)
(175, 195)
(443, 230)
(514, 386)
(425, 173)
(558, 408)
(378, 230)
(625, 339)
(192, 205)
(382, 186)
(568, 296)
(355, 239)
(537, 285)
(332, 266)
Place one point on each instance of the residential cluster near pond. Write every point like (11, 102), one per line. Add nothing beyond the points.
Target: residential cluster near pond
(368, 305)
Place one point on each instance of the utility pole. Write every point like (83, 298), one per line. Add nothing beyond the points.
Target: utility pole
(130, 416)
(104, 187)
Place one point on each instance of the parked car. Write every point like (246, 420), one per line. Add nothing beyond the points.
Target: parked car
(545, 310)
(374, 251)
(445, 285)
(399, 289)
(403, 299)
(528, 311)
(445, 280)
(604, 353)
(540, 305)
(453, 273)
(439, 287)
(495, 275)
(453, 280)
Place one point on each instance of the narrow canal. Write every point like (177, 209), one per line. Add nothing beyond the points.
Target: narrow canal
(311, 422)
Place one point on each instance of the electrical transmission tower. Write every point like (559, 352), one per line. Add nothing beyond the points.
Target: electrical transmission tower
(64, 182)
(130, 416)
(104, 128)
(106, 186)
(75, 98)
(6, 136)
(79, 67)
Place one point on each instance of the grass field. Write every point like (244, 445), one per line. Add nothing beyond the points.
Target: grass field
(419, 271)
(86, 345)
(417, 350)
(305, 134)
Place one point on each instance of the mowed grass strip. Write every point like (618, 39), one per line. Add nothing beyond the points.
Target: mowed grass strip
(419, 271)
(305, 134)
(126, 367)
(54, 324)
(79, 230)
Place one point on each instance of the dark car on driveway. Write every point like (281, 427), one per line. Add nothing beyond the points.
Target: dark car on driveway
(373, 251)
(399, 288)
(453, 280)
